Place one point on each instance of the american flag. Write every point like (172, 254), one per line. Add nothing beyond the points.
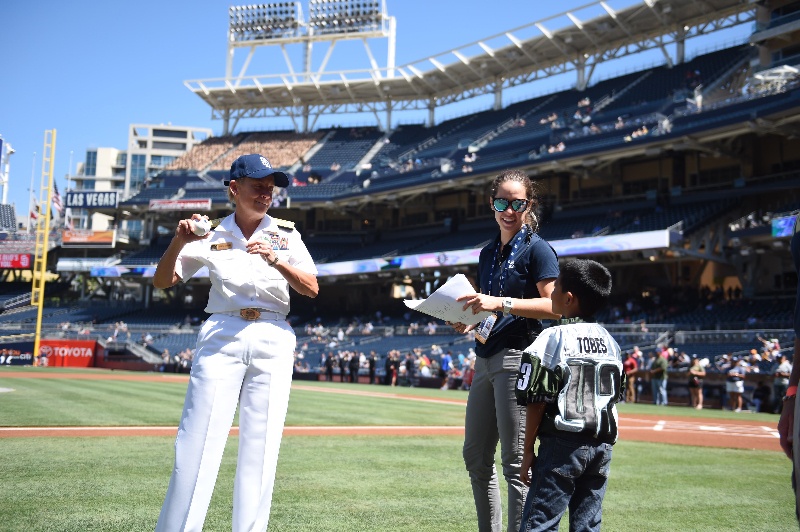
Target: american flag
(57, 202)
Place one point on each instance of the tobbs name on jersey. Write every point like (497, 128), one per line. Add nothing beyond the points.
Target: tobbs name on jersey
(576, 369)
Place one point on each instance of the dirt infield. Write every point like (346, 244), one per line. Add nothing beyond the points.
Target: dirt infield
(667, 428)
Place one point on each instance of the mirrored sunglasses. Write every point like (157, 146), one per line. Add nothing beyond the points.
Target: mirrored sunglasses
(517, 205)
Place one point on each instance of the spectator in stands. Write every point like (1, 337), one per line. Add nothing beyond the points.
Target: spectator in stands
(244, 351)
(787, 430)
(682, 361)
(734, 384)
(424, 368)
(781, 382)
(659, 377)
(696, 375)
(165, 360)
(516, 273)
(723, 363)
(769, 345)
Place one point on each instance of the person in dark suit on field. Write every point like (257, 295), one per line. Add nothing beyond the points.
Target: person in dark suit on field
(353, 364)
(329, 367)
(343, 366)
(372, 361)
(388, 366)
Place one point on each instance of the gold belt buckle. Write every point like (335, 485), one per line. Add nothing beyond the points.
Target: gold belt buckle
(250, 314)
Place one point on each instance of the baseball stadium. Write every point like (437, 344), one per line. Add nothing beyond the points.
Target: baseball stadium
(681, 177)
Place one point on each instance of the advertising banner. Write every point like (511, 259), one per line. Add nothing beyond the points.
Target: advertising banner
(16, 354)
(783, 227)
(180, 205)
(93, 200)
(16, 261)
(87, 238)
(565, 248)
(72, 353)
(108, 271)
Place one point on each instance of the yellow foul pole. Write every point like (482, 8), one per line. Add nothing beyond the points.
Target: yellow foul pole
(42, 234)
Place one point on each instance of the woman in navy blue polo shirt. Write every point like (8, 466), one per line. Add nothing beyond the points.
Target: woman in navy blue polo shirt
(516, 272)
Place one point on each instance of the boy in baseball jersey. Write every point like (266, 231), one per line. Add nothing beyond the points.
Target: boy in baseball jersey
(570, 380)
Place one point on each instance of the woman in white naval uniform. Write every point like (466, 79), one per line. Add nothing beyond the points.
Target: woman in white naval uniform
(244, 350)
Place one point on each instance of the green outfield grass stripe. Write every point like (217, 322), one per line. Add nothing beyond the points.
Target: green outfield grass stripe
(368, 483)
(367, 393)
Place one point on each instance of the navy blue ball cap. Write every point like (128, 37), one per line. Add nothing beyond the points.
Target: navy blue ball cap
(255, 166)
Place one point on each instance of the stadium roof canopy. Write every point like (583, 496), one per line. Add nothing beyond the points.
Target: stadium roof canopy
(577, 40)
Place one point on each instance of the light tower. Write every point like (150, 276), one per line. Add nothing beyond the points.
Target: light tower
(6, 151)
(283, 26)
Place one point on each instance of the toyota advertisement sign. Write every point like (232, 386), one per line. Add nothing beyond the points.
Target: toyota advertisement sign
(72, 353)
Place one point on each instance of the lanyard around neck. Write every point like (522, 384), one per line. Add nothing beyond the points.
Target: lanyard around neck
(516, 246)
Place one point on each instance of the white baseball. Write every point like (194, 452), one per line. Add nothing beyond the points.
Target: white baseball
(201, 227)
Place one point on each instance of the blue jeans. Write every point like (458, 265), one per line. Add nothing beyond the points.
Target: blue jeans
(567, 474)
(659, 391)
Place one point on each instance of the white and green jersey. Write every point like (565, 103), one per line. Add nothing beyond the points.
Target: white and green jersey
(576, 368)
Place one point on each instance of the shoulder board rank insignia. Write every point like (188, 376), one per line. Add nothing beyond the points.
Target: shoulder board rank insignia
(214, 223)
(284, 224)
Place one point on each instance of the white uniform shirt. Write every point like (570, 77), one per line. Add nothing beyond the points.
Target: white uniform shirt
(240, 279)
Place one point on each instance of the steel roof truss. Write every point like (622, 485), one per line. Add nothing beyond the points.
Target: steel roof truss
(578, 24)
(552, 40)
(521, 48)
(465, 60)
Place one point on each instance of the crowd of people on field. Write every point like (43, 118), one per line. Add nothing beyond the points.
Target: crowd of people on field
(453, 366)
(180, 362)
(657, 366)
(453, 371)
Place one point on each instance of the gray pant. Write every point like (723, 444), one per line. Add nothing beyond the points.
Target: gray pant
(492, 416)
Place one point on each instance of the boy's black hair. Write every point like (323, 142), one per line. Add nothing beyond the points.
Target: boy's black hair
(589, 281)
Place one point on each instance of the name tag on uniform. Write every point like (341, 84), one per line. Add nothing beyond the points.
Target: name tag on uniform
(277, 241)
(221, 246)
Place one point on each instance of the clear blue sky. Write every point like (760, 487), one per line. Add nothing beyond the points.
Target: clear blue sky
(89, 68)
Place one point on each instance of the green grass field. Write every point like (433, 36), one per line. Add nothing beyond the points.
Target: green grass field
(344, 483)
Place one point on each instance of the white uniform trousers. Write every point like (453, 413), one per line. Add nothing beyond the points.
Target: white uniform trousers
(249, 363)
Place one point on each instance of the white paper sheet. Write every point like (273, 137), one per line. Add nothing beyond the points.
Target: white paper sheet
(442, 303)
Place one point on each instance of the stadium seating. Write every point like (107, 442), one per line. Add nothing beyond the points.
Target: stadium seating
(519, 135)
(8, 218)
